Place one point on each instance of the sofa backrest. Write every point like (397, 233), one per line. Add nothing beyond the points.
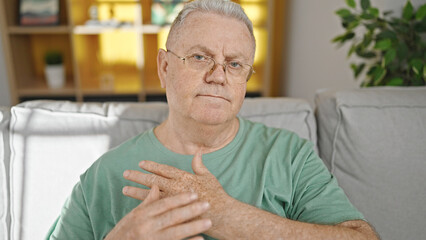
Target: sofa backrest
(53, 142)
(4, 168)
(374, 142)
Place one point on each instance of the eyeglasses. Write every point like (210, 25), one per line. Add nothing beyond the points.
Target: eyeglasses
(236, 72)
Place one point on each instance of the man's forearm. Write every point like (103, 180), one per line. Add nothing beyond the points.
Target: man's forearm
(237, 220)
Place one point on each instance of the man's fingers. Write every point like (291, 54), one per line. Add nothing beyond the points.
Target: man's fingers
(161, 169)
(180, 215)
(148, 180)
(138, 193)
(198, 165)
(186, 230)
(154, 195)
(166, 204)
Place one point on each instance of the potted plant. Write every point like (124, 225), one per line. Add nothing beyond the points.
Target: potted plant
(392, 50)
(54, 69)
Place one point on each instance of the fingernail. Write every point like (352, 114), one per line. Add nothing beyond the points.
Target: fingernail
(125, 190)
(207, 223)
(193, 196)
(126, 173)
(141, 163)
(205, 205)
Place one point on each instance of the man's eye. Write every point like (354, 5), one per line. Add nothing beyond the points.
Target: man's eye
(200, 57)
(235, 64)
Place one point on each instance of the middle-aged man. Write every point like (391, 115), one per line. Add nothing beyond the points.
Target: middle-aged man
(208, 171)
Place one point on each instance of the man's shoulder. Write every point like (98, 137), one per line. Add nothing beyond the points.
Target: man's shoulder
(260, 128)
(275, 138)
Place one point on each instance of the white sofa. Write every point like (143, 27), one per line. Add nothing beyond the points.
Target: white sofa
(372, 140)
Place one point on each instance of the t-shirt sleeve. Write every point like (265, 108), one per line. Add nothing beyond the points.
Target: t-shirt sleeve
(74, 221)
(318, 198)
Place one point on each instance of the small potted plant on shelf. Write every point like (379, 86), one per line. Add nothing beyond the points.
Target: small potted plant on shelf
(54, 69)
(391, 50)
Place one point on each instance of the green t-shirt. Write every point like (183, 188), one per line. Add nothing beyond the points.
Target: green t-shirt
(272, 169)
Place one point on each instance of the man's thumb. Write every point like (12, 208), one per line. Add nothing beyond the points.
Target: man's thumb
(154, 195)
(198, 165)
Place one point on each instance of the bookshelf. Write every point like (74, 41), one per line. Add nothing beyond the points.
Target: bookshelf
(108, 62)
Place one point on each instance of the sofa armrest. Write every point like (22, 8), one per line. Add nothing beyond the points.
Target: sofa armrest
(373, 141)
(4, 172)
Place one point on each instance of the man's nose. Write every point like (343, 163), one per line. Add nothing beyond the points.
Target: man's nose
(217, 74)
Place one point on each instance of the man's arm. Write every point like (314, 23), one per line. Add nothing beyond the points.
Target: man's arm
(231, 218)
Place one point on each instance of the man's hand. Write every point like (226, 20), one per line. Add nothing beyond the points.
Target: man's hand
(168, 218)
(172, 181)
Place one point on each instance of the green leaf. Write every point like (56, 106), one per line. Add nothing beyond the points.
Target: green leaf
(351, 3)
(385, 13)
(421, 12)
(344, 37)
(372, 26)
(367, 16)
(420, 26)
(343, 12)
(352, 25)
(374, 12)
(387, 34)
(367, 55)
(424, 72)
(351, 50)
(417, 65)
(383, 44)
(389, 57)
(357, 69)
(407, 13)
(395, 82)
(378, 75)
(402, 51)
(366, 41)
(365, 4)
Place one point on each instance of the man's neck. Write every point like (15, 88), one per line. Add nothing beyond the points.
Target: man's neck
(188, 136)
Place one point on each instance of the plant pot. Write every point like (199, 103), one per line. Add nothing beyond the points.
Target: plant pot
(55, 76)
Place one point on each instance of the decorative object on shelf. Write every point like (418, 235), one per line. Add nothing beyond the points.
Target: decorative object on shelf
(38, 12)
(392, 49)
(93, 16)
(164, 12)
(54, 69)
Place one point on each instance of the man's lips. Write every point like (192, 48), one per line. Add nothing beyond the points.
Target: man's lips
(212, 96)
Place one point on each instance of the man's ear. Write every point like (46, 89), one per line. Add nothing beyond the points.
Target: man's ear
(162, 65)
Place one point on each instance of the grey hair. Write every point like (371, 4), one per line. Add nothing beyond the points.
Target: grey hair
(221, 7)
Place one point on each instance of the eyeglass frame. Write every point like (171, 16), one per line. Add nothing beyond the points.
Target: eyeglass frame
(224, 65)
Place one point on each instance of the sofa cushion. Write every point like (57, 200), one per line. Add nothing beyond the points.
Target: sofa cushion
(4, 172)
(373, 141)
(53, 142)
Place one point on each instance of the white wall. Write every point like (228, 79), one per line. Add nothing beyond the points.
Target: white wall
(4, 82)
(313, 62)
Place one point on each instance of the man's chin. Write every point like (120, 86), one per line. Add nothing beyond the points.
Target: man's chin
(212, 117)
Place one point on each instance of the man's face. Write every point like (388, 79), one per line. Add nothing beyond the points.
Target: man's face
(207, 97)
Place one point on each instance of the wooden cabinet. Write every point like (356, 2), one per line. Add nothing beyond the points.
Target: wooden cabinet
(108, 62)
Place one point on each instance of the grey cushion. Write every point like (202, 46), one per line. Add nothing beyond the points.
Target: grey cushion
(373, 141)
(53, 142)
(4, 172)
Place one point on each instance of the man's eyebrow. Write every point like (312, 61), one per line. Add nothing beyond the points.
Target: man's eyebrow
(206, 50)
(201, 48)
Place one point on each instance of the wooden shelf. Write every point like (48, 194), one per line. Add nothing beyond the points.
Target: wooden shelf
(40, 88)
(39, 30)
(94, 30)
